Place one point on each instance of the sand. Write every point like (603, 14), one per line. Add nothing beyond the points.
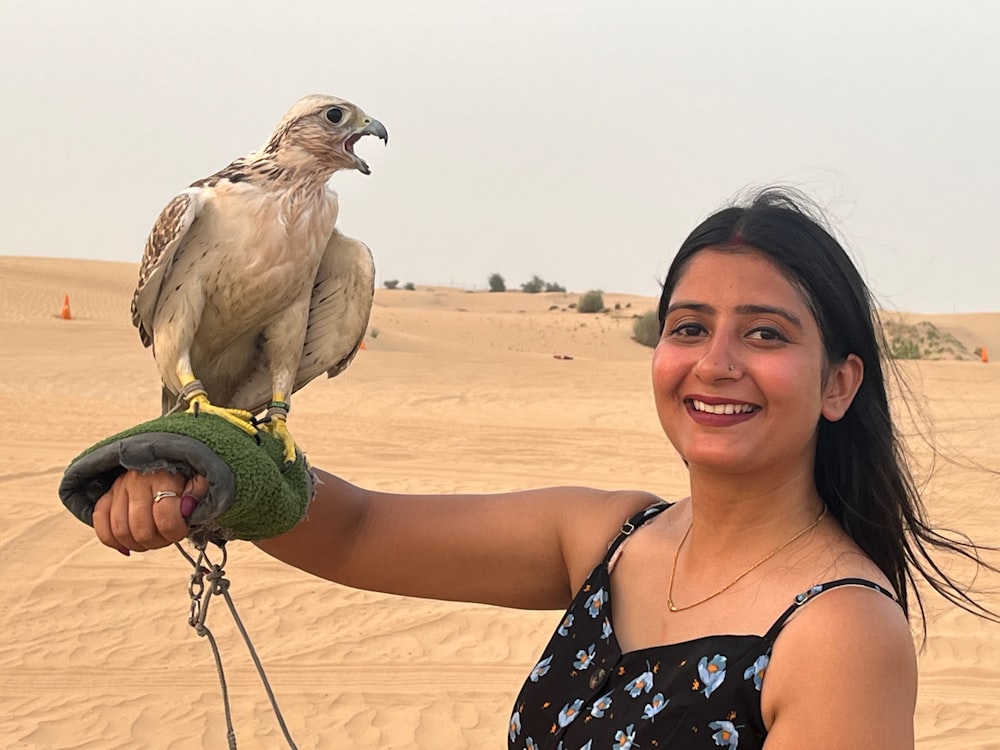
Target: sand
(454, 391)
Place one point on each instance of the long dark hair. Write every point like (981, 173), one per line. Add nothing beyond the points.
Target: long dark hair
(861, 470)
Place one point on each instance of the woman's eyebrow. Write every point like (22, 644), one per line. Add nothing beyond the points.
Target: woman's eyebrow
(770, 309)
(694, 306)
(707, 309)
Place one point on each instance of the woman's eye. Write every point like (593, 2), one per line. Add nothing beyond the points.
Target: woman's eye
(335, 114)
(766, 334)
(687, 329)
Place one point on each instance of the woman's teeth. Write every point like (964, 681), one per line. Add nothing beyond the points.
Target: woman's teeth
(722, 408)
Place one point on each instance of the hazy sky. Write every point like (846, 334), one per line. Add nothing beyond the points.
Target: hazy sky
(579, 141)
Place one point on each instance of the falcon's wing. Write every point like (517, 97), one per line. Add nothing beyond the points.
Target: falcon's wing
(338, 318)
(166, 236)
(341, 306)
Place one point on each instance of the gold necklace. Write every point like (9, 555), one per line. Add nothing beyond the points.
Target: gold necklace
(673, 571)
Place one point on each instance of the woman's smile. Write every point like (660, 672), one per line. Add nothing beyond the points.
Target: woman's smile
(719, 412)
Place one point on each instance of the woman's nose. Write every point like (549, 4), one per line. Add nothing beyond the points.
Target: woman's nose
(720, 359)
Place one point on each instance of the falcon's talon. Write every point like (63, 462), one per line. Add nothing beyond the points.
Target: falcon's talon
(278, 427)
(238, 417)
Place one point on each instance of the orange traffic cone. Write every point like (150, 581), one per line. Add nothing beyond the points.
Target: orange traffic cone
(983, 355)
(64, 313)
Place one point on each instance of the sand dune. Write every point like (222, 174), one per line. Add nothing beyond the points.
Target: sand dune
(457, 391)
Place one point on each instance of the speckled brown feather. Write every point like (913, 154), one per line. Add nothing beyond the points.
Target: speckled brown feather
(170, 224)
(256, 171)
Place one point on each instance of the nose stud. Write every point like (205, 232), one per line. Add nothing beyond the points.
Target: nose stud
(732, 367)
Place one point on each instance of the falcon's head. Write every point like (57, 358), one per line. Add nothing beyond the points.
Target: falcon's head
(320, 131)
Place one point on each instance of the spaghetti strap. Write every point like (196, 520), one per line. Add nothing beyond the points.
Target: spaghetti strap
(633, 523)
(807, 596)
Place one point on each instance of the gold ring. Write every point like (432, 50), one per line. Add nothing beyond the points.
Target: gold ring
(162, 494)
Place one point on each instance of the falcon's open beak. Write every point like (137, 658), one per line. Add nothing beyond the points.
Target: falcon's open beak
(372, 127)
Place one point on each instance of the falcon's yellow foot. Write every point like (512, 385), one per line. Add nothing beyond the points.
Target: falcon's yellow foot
(278, 427)
(199, 404)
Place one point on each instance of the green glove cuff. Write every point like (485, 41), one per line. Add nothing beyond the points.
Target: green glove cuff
(252, 493)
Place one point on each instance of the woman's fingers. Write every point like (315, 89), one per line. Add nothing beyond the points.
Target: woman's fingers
(133, 510)
(102, 523)
(147, 511)
(171, 514)
(195, 491)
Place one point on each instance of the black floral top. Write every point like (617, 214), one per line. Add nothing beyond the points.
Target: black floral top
(585, 694)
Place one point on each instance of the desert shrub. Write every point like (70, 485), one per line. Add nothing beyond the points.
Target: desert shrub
(646, 329)
(591, 302)
(391, 283)
(534, 286)
(409, 286)
(373, 333)
(538, 284)
(905, 349)
(922, 340)
(497, 284)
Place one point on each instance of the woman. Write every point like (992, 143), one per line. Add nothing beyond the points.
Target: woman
(768, 609)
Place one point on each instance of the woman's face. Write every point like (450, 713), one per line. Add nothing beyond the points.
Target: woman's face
(739, 373)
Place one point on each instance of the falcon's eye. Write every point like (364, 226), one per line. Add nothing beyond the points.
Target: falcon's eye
(335, 114)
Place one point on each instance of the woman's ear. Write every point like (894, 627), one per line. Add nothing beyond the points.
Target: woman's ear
(842, 383)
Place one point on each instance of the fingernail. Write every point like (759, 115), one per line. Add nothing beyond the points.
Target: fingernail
(188, 504)
(124, 551)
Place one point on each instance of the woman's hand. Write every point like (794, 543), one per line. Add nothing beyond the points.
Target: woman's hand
(147, 511)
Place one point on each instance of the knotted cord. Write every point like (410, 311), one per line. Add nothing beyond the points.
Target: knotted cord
(219, 584)
(186, 393)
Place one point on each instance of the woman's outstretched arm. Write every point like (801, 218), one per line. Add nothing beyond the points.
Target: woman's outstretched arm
(529, 549)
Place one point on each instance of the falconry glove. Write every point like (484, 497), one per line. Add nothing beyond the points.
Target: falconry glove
(253, 493)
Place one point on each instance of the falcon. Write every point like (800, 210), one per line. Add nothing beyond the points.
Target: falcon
(247, 290)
